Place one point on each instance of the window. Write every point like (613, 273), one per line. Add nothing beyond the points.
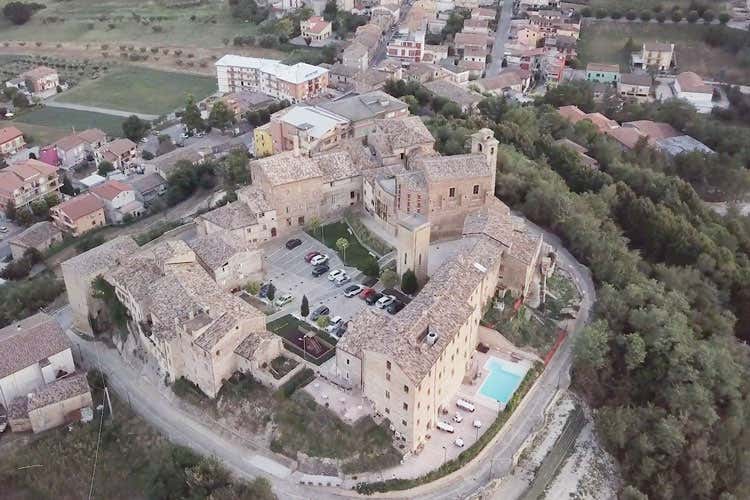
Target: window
(301, 221)
(406, 406)
(387, 410)
(476, 188)
(388, 365)
(452, 192)
(406, 389)
(351, 194)
(388, 376)
(347, 361)
(403, 422)
(387, 395)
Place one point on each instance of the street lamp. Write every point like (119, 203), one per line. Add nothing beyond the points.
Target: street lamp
(445, 454)
(304, 349)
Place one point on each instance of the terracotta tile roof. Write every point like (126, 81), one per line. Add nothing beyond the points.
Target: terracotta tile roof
(110, 189)
(80, 206)
(397, 133)
(100, 258)
(464, 166)
(232, 216)
(37, 235)
(691, 82)
(59, 390)
(658, 46)
(69, 142)
(316, 24)
(215, 249)
(9, 133)
(29, 341)
(654, 130)
(642, 79)
(118, 147)
(39, 72)
(254, 340)
(571, 113)
(508, 78)
(602, 122)
(626, 136)
(604, 68)
(93, 135)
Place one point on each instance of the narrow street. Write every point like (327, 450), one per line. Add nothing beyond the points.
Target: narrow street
(501, 36)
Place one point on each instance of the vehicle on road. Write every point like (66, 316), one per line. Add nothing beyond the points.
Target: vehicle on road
(385, 301)
(372, 299)
(334, 323)
(353, 290)
(293, 243)
(320, 270)
(341, 279)
(319, 259)
(395, 307)
(366, 293)
(311, 255)
(320, 311)
(283, 300)
(335, 274)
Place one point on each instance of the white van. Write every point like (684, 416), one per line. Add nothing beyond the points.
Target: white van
(465, 405)
(445, 426)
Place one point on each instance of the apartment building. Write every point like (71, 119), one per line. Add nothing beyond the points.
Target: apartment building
(75, 148)
(79, 215)
(119, 153)
(315, 28)
(406, 46)
(11, 141)
(635, 85)
(27, 181)
(294, 83)
(310, 129)
(119, 200)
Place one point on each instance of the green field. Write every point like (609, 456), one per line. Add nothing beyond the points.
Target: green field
(203, 23)
(604, 42)
(640, 5)
(140, 90)
(69, 119)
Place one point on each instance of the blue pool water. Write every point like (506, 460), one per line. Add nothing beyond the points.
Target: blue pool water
(502, 381)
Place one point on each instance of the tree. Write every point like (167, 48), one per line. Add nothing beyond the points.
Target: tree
(341, 245)
(147, 155)
(314, 226)
(323, 322)
(221, 116)
(271, 292)
(134, 128)
(18, 12)
(371, 268)
(191, 117)
(676, 16)
(708, 16)
(304, 308)
(331, 11)
(389, 278)
(724, 18)
(248, 10)
(105, 167)
(10, 210)
(692, 16)
(591, 346)
(635, 351)
(235, 169)
(413, 104)
(409, 283)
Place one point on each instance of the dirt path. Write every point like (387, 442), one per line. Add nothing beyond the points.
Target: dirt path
(52, 103)
(202, 62)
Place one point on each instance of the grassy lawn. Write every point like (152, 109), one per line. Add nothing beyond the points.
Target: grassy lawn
(200, 24)
(604, 42)
(40, 135)
(639, 5)
(69, 119)
(356, 255)
(140, 90)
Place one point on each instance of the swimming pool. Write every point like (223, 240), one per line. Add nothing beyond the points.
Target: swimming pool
(503, 379)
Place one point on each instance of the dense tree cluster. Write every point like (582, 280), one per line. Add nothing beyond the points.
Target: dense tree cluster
(661, 363)
(21, 299)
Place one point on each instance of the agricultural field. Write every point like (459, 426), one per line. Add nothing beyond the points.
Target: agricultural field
(640, 5)
(200, 23)
(70, 70)
(39, 135)
(68, 119)
(604, 41)
(140, 90)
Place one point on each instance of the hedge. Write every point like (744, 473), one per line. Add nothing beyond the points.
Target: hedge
(465, 456)
(298, 380)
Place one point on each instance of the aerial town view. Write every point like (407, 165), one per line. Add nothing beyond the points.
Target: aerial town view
(406, 249)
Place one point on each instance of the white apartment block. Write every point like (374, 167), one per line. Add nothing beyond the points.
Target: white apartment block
(271, 77)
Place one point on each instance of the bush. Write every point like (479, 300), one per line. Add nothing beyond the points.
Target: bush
(630, 15)
(600, 13)
(615, 14)
(88, 242)
(708, 16)
(661, 17)
(389, 278)
(585, 12)
(692, 16)
(147, 155)
(724, 18)
(299, 380)
(409, 283)
(676, 16)
(645, 16)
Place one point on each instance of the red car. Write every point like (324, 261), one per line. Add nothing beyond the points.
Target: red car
(367, 292)
(311, 255)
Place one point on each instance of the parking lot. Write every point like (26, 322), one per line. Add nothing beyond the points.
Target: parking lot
(289, 272)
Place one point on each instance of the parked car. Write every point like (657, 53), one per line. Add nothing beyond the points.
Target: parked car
(342, 278)
(320, 311)
(319, 259)
(372, 299)
(385, 301)
(293, 243)
(458, 418)
(478, 424)
(311, 255)
(263, 293)
(320, 270)
(396, 306)
(459, 442)
(284, 300)
(334, 324)
(364, 294)
(340, 330)
(353, 290)
(335, 274)
(3, 229)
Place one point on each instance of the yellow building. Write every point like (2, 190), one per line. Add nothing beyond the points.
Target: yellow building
(263, 141)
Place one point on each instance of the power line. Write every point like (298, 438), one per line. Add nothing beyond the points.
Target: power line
(96, 453)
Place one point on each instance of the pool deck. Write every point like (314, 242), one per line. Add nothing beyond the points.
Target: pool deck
(521, 367)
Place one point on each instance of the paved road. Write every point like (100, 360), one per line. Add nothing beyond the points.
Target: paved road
(52, 103)
(501, 36)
